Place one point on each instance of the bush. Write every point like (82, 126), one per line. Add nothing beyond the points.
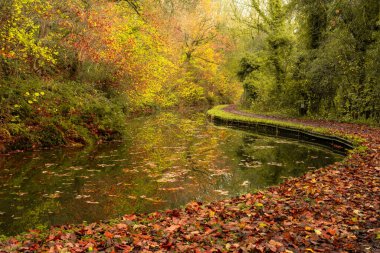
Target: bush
(37, 113)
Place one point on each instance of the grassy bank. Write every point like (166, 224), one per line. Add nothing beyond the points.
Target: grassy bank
(219, 112)
(37, 113)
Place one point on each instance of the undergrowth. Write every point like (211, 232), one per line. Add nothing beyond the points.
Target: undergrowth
(36, 114)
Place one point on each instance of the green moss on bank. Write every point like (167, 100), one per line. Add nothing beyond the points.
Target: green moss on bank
(218, 112)
(37, 114)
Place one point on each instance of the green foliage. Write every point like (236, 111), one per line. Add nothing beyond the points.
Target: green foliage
(23, 46)
(332, 70)
(37, 113)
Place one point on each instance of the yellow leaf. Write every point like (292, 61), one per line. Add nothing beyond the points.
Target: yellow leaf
(262, 225)
(212, 214)
(317, 231)
(257, 204)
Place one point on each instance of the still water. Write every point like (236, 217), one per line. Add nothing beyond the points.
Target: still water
(166, 161)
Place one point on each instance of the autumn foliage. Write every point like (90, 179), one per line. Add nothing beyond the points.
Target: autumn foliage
(159, 59)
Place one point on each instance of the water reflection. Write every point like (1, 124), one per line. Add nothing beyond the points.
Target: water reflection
(166, 161)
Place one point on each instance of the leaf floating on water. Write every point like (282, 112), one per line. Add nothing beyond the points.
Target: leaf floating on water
(47, 165)
(283, 142)
(94, 170)
(151, 165)
(262, 147)
(167, 180)
(221, 172)
(63, 175)
(92, 202)
(131, 197)
(252, 164)
(128, 170)
(76, 168)
(275, 164)
(53, 195)
(245, 183)
(82, 196)
(172, 176)
(48, 172)
(137, 153)
(171, 189)
(106, 165)
(19, 193)
(221, 192)
(120, 160)
(2, 213)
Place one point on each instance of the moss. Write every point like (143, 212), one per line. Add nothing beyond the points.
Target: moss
(219, 113)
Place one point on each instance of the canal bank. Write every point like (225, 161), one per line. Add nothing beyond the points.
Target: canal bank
(333, 208)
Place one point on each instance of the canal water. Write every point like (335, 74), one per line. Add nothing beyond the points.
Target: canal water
(166, 161)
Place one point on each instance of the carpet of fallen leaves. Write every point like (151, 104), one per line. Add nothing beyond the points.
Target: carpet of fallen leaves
(332, 209)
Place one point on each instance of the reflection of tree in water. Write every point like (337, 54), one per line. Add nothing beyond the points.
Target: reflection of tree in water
(266, 162)
(278, 158)
(203, 161)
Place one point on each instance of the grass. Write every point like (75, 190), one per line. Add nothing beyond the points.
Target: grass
(219, 113)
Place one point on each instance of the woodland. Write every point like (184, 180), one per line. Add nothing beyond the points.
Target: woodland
(72, 71)
(75, 73)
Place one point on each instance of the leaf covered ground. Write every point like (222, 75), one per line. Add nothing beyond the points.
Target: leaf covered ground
(332, 209)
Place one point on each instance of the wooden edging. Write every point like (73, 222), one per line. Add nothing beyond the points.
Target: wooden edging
(335, 143)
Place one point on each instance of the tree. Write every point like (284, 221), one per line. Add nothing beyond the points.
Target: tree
(23, 44)
(266, 69)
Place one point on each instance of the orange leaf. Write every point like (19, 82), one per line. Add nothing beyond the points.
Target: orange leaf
(331, 231)
(108, 235)
(172, 228)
